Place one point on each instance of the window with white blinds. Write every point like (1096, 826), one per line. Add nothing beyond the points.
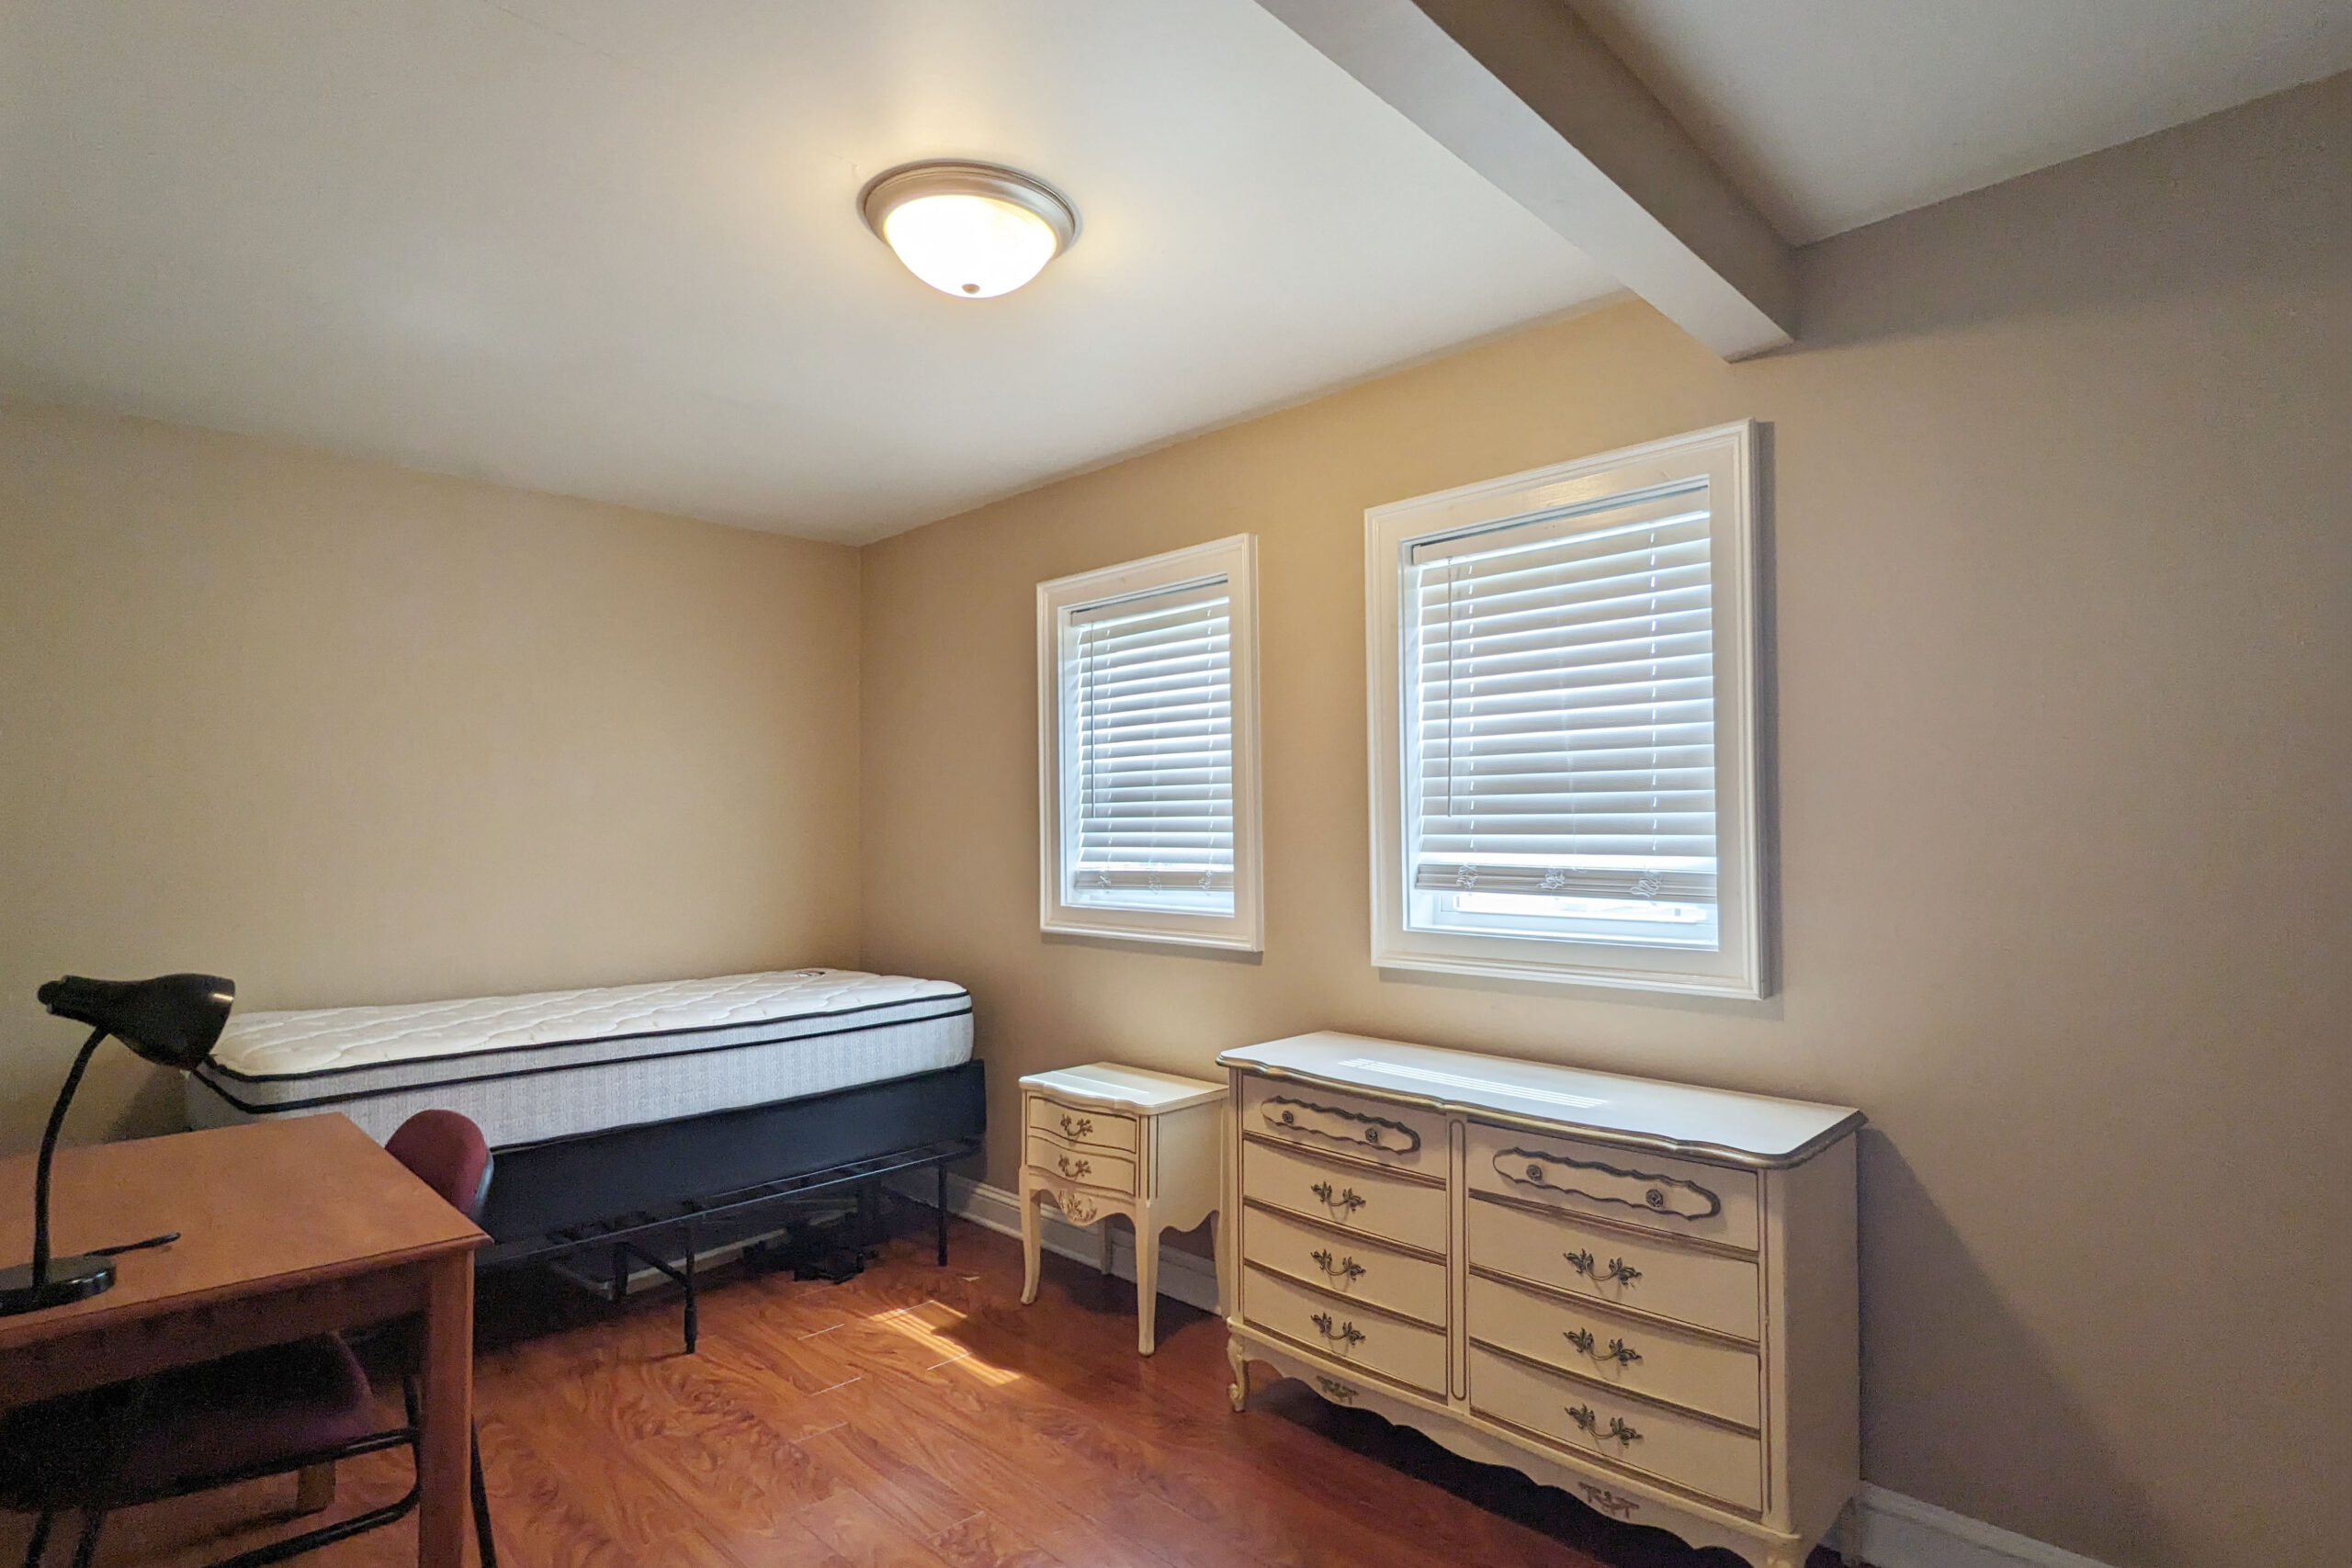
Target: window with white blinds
(1564, 663)
(1147, 741)
(1150, 689)
(1561, 679)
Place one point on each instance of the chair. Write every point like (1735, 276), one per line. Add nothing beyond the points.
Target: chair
(300, 1407)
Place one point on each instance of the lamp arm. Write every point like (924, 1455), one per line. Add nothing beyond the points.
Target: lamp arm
(49, 1153)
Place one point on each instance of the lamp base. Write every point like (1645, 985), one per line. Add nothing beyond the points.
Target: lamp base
(70, 1280)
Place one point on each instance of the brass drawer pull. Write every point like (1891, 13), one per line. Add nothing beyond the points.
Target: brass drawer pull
(1345, 1200)
(1624, 1354)
(1073, 1171)
(1582, 1262)
(1623, 1435)
(1077, 1128)
(1347, 1335)
(1346, 1269)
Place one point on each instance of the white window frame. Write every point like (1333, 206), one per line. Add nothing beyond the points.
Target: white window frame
(1725, 456)
(1236, 560)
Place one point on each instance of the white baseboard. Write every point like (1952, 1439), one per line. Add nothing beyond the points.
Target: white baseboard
(1902, 1532)
(1894, 1532)
(1185, 1276)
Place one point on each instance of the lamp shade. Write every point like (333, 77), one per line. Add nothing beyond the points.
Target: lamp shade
(173, 1020)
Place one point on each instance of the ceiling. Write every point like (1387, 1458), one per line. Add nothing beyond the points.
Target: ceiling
(610, 248)
(1830, 114)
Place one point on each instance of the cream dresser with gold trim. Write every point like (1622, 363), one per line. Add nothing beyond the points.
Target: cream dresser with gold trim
(1641, 1292)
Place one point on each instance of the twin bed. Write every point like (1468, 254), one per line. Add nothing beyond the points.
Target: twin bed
(623, 1117)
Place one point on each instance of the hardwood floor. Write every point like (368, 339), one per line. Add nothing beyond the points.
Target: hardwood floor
(916, 1417)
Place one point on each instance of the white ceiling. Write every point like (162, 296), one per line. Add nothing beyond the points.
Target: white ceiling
(610, 247)
(1830, 114)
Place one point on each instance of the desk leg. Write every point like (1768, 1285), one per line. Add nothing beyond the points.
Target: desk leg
(446, 1444)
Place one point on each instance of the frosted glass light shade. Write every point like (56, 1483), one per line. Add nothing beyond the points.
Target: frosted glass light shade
(970, 229)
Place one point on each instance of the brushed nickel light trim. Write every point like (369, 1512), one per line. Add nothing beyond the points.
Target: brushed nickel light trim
(893, 188)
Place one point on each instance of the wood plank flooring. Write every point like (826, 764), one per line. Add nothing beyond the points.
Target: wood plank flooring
(914, 1417)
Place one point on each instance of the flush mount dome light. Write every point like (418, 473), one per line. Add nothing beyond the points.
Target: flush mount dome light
(971, 229)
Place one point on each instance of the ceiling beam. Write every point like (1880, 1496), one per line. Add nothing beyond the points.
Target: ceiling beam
(1529, 96)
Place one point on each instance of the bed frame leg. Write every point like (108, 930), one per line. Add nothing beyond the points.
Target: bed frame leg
(693, 1328)
(940, 1197)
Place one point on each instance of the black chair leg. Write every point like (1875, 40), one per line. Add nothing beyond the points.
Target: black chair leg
(39, 1543)
(87, 1549)
(481, 1509)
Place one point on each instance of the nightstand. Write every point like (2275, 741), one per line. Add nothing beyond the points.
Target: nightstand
(1106, 1139)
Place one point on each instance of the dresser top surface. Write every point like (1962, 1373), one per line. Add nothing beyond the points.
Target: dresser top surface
(1706, 1123)
(1115, 1083)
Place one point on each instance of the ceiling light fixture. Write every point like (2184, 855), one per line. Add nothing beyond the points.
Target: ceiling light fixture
(974, 231)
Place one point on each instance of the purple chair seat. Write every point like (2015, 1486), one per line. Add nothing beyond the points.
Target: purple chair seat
(249, 1411)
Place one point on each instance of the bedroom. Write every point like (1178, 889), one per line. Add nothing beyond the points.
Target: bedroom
(486, 516)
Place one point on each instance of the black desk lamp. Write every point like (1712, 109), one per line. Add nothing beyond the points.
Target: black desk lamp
(172, 1020)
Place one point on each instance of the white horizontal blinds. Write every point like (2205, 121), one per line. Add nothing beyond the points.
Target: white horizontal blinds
(1150, 694)
(1563, 705)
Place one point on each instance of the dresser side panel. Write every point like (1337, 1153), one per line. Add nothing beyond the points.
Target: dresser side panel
(1814, 1373)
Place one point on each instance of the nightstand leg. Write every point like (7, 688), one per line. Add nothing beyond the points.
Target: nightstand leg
(1030, 1238)
(1146, 1280)
(1239, 1360)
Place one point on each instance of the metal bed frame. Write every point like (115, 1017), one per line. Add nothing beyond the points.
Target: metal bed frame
(627, 1190)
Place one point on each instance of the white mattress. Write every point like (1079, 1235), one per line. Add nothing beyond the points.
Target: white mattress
(560, 1063)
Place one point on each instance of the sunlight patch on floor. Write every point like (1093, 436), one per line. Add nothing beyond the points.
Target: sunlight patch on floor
(923, 1324)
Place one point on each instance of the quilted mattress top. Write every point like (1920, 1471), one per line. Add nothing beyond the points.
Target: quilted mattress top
(325, 1040)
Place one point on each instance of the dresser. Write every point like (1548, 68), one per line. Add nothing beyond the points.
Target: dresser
(1641, 1292)
(1109, 1139)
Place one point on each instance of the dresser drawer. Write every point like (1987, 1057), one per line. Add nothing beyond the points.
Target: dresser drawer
(1356, 1267)
(1710, 1460)
(1672, 1197)
(1087, 1167)
(1683, 1368)
(1077, 1125)
(1703, 1289)
(1354, 1335)
(1349, 1196)
(1332, 1123)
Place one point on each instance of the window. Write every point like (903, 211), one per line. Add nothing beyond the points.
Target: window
(1563, 723)
(1148, 749)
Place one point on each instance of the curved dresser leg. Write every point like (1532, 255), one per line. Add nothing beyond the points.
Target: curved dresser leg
(1147, 1278)
(1032, 1243)
(1239, 1360)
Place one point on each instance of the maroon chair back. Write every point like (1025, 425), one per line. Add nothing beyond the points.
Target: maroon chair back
(447, 1152)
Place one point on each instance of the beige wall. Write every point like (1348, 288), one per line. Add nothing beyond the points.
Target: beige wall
(2064, 604)
(349, 733)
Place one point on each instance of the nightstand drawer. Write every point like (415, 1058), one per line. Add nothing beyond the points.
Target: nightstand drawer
(1672, 1197)
(1327, 1121)
(1701, 1375)
(1088, 1167)
(1708, 1459)
(1079, 1124)
(1703, 1289)
(1355, 1266)
(1345, 1332)
(1351, 1197)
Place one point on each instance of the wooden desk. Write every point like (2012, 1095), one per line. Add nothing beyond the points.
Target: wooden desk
(287, 1229)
